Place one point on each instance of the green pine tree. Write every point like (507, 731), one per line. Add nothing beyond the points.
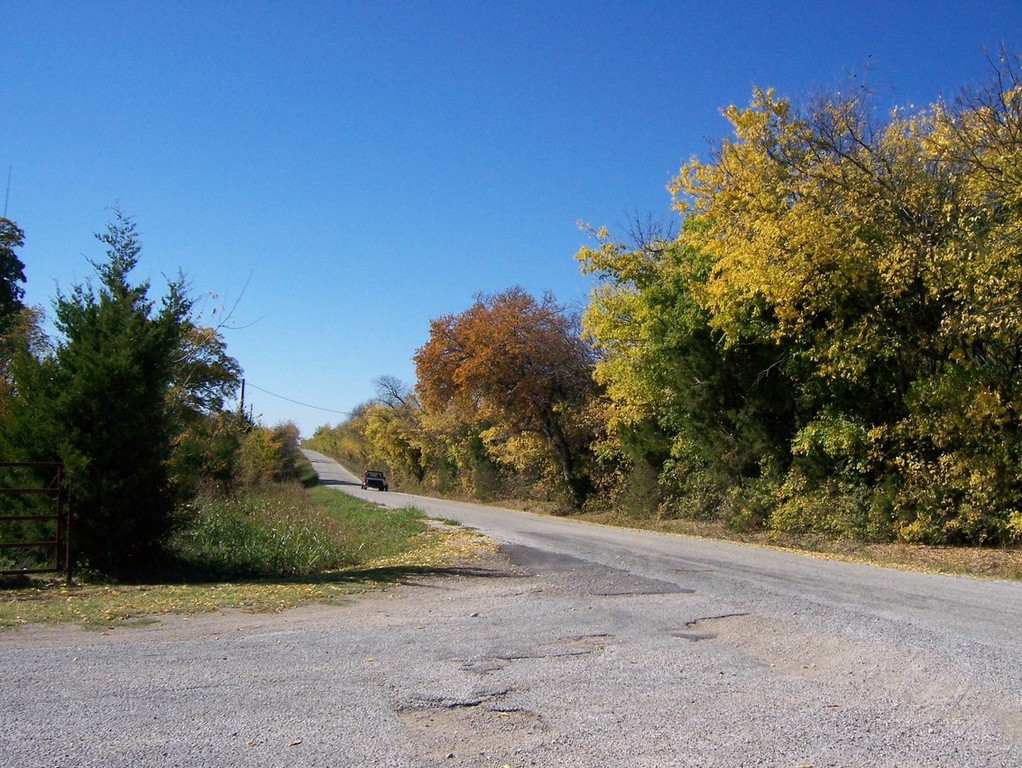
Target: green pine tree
(99, 404)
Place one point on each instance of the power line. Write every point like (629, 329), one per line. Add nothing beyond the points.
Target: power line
(296, 402)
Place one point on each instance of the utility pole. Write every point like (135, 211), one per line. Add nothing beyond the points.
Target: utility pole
(241, 408)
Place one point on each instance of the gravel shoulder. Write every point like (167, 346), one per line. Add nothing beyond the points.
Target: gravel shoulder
(523, 658)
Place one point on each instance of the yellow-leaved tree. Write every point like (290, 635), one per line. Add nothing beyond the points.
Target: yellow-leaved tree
(833, 339)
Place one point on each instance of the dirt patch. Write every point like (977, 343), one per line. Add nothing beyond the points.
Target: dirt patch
(171, 628)
(472, 735)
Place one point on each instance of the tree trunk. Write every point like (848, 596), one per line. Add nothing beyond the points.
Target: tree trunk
(555, 434)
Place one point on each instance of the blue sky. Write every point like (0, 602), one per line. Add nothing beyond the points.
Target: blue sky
(346, 171)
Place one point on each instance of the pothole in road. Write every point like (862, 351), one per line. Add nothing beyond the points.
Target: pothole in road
(453, 732)
(484, 666)
(701, 629)
(695, 637)
(434, 701)
(582, 645)
(626, 590)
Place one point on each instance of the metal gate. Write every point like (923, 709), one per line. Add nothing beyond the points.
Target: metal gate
(49, 527)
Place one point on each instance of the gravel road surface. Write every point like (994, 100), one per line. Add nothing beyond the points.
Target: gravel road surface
(572, 645)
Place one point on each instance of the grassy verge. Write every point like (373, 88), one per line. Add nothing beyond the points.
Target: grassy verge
(995, 563)
(287, 531)
(273, 549)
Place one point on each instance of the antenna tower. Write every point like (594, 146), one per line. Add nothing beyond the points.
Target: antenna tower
(7, 195)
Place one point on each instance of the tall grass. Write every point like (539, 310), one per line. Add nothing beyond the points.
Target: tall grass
(286, 530)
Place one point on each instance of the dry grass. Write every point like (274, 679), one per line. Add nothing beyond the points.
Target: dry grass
(994, 563)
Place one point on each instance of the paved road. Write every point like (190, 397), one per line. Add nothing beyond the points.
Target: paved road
(982, 610)
(903, 668)
(574, 645)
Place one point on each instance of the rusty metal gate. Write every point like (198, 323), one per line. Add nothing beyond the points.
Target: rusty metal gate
(49, 527)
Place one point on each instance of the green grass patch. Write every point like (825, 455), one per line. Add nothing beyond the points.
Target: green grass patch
(373, 531)
(305, 474)
(270, 549)
(287, 531)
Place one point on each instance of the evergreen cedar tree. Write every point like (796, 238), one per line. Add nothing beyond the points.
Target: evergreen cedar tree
(99, 403)
(12, 274)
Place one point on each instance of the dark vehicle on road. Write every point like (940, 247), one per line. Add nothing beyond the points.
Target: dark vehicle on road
(374, 479)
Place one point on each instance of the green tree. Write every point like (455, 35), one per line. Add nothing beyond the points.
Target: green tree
(25, 336)
(12, 274)
(701, 416)
(206, 438)
(269, 454)
(840, 308)
(19, 325)
(100, 404)
(205, 376)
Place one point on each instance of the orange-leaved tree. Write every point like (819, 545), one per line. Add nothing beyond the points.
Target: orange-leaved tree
(518, 363)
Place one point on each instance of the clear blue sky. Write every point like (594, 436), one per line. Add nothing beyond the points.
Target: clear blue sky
(346, 171)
